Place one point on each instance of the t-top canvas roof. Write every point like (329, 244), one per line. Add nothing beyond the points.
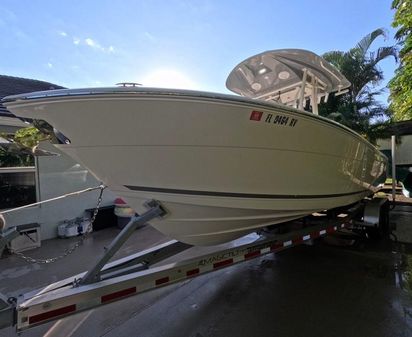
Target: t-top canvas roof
(281, 74)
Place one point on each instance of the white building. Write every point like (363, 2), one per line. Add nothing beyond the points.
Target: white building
(48, 177)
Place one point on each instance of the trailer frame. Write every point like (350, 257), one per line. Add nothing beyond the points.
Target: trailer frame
(137, 273)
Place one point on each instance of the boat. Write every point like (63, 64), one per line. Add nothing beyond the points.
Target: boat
(222, 165)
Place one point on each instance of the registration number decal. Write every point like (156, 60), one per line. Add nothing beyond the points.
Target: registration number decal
(276, 119)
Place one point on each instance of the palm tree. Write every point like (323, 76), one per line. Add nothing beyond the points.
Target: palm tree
(359, 108)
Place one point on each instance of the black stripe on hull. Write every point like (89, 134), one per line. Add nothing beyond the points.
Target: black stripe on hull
(238, 195)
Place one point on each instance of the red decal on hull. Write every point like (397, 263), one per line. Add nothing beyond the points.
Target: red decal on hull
(256, 115)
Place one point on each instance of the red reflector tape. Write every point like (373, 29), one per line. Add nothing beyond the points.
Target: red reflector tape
(118, 294)
(192, 272)
(52, 314)
(252, 254)
(297, 241)
(162, 280)
(314, 235)
(222, 263)
(276, 246)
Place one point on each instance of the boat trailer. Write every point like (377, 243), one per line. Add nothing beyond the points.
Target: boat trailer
(108, 282)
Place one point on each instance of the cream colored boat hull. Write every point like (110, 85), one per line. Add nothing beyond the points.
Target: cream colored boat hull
(222, 166)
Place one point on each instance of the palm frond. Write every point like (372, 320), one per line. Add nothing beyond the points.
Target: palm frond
(335, 57)
(382, 53)
(360, 108)
(363, 45)
(335, 116)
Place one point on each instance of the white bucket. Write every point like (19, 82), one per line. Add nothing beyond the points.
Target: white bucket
(123, 212)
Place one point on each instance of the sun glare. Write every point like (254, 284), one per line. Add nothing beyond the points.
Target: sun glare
(168, 78)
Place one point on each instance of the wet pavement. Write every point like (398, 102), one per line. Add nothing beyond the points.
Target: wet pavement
(317, 290)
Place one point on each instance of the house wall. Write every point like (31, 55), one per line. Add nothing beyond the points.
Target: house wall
(403, 151)
(58, 175)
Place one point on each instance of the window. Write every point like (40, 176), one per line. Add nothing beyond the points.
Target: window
(17, 187)
(17, 179)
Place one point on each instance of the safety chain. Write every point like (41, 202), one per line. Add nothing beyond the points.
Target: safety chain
(76, 245)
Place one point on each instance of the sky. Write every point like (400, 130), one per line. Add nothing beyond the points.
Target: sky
(191, 44)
